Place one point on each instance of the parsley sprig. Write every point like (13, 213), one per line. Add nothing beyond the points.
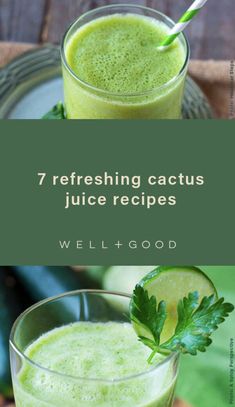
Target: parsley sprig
(56, 113)
(196, 321)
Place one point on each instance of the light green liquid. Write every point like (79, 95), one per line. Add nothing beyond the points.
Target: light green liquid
(99, 351)
(119, 54)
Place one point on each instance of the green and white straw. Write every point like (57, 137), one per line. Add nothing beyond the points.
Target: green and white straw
(183, 22)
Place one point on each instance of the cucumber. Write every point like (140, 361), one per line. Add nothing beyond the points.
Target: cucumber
(46, 281)
(124, 278)
(97, 274)
(42, 282)
(10, 307)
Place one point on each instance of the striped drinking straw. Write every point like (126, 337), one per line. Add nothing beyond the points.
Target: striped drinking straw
(183, 22)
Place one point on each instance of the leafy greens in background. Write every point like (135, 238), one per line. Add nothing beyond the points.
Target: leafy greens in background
(56, 113)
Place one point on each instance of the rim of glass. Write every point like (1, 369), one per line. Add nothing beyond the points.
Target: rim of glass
(108, 93)
(67, 294)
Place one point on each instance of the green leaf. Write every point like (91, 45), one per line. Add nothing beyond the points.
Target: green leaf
(148, 342)
(147, 313)
(197, 322)
(56, 113)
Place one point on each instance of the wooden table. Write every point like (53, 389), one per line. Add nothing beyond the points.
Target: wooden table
(211, 35)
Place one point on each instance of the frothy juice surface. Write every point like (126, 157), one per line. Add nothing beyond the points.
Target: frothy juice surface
(97, 351)
(118, 55)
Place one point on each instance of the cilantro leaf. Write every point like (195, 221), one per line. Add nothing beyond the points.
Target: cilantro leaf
(196, 322)
(56, 113)
(146, 312)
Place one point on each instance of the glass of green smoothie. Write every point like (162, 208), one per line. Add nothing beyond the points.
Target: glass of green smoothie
(114, 69)
(80, 349)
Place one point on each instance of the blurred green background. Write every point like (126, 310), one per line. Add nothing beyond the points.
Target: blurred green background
(203, 379)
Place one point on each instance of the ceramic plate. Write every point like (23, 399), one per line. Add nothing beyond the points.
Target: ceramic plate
(32, 84)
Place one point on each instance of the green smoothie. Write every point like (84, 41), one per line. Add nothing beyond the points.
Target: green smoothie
(121, 71)
(105, 353)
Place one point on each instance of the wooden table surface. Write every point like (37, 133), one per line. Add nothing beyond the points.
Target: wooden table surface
(211, 35)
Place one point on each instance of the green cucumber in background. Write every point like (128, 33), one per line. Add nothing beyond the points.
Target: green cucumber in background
(42, 282)
(124, 278)
(46, 281)
(11, 305)
(96, 274)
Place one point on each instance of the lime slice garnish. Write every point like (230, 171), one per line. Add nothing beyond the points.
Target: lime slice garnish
(172, 284)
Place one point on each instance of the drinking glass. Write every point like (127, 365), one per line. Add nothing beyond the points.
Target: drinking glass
(45, 387)
(84, 101)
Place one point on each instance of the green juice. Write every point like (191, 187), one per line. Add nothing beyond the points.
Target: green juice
(119, 72)
(96, 364)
